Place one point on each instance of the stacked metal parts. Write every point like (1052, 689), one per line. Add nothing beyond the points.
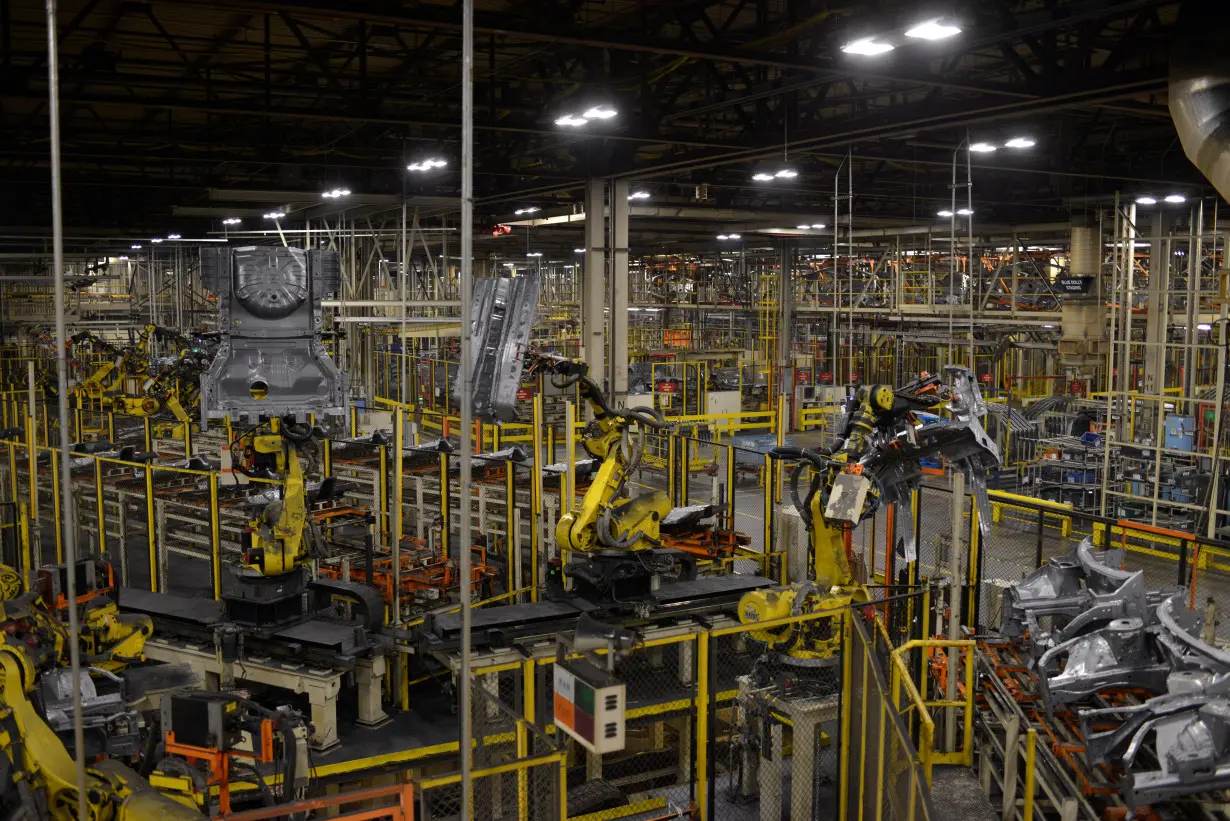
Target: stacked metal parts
(272, 361)
(1092, 630)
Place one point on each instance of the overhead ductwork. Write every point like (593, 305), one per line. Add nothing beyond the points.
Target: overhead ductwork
(1200, 88)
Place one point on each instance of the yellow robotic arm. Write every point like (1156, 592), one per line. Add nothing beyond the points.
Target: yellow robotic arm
(43, 775)
(617, 537)
(276, 543)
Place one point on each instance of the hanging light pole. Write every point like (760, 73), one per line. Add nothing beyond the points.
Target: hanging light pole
(467, 391)
(66, 501)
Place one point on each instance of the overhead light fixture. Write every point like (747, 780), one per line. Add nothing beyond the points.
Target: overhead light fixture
(786, 173)
(336, 193)
(136, 247)
(802, 227)
(123, 258)
(762, 176)
(534, 254)
(275, 215)
(866, 47)
(1048, 326)
(1201, 327)
(1176, 198)
(427, 165)
(172, 236)
(639, 195)
(944, 213)
(1146, 200)
(578, 250)
(723, 236)
(531, 210)
(965, 212)
(981, 148)
(571, 120)
(600, 112)
(933, 30)
(1021, 142)
(817, 225)
(156, 240)
(231, 221)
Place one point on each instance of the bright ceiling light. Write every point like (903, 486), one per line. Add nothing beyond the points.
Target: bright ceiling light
(275, 215)
(571, 120)
(944, 213)
(723, 236)
(817, 225)
(1176, 198)
(136, 247)
(981, 148)
(933, 30)
(578, 250)
(172, 236)
(336, 193)
(965, 212)
(787, 174)
(1201, 327)
(736, 236)
(532, 209)
(1146, 200)
(427, 165)
(534, 254)
(639, 195)
(762, 176)
(600, 112)
(156, 240)
(232, 221)
(123, 258)
(1021, 142)
(866, 47)
(802, 227)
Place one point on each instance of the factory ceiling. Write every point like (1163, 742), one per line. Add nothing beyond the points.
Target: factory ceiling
(164, 101)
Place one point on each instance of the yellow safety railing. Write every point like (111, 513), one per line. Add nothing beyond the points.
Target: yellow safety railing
(903, 680)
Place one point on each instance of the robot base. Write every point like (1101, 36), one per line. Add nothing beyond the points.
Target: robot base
(264, 601)
(626, 576)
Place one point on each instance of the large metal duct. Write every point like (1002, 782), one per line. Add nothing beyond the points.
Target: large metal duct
(1085, 253)
(1200, 87)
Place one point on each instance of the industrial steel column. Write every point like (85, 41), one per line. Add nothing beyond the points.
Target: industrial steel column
(1157, 309)
(593, 284)
(619, 291)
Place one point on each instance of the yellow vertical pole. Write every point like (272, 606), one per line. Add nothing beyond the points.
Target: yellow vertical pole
(55, 504)
(149, 528)
(354, 421)
(102, 510)
(215, 535)
(972, 571)
(111, 426)
(32, 453)
(383, 491)
(523, 746)
(968, 749)
(11, 447)
(187, 440)
(885, 718)
(23, 534)
(405, 682)
(149, 434)
(767, 524)
(683, 471)
(536, 494)
(862, 764)
(702, 724)
(1031, 747)
(446, 504)
(670, 469)
(510, 507)
(843, 763)
(399, 510)
(328, 457)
